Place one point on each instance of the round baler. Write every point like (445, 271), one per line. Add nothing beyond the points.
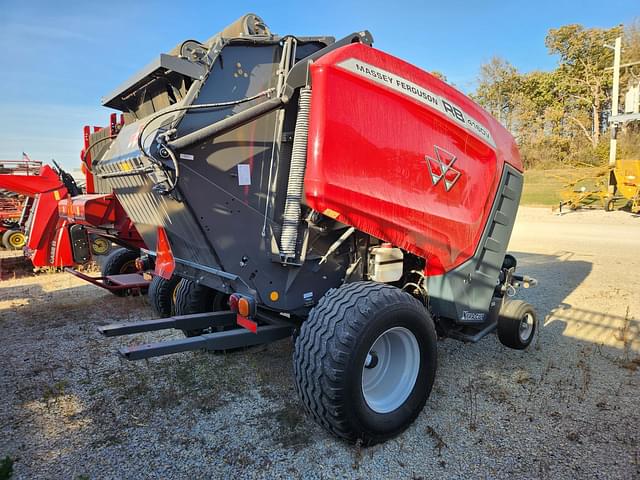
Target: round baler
(326, 190)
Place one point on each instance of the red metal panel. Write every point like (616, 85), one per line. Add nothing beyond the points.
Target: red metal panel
(48, 242)
(92, 210)
(89, 181)
(30, 185)
(250, 325)
(382, 158)
(102, 213)
(165, 263)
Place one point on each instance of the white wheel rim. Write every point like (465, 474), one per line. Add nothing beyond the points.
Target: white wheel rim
(526, 327)
(390, 370)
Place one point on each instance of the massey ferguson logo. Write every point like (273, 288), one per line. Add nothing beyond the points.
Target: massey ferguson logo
(441, 168)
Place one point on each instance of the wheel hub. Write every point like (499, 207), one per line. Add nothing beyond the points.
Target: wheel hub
(526, 327)
(17, 240)
(371, 360)
(390, 370)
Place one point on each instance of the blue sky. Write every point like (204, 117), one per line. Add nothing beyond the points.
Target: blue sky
(59, 58)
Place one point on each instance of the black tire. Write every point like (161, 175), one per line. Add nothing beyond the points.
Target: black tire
(193, 297)
(610, 205)
(330, 353)
(510, 320)
(121, 260)
(14, 239)
(162, 293)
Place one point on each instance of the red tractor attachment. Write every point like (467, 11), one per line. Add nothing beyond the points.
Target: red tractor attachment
(15, 206)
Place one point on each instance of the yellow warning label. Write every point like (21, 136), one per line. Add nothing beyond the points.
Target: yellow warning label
(56, 194)
(331, 213)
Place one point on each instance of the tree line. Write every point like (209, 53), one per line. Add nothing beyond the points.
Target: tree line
(560, 117)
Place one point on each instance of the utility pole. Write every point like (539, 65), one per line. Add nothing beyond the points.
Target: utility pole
(613, 143)
(614, 101)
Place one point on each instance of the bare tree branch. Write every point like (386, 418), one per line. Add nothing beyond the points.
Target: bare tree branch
(583, 128)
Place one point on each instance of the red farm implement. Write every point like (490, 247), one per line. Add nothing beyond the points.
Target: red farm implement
(15, 206)
(326, 190)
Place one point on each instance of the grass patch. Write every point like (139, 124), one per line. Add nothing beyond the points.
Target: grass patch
(543, 187)
(202, 381)
(51, 393)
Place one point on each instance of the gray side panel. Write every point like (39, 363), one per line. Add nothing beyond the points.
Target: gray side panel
(464, 294)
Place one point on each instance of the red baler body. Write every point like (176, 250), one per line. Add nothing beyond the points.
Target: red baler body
(370, 169)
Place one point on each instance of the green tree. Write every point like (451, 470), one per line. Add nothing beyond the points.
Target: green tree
(583, 82)
(498, 84)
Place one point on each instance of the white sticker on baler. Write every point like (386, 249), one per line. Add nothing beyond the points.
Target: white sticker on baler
(186, 156)
(421, 94)
(244, 174)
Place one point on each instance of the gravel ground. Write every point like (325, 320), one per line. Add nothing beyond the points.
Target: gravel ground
(567, 408)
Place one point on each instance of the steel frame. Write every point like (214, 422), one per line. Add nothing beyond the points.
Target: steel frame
(223, 340)
(127, 281)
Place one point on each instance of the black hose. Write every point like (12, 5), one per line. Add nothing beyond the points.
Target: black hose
(197, 107)
(86, 152)
(227, 124)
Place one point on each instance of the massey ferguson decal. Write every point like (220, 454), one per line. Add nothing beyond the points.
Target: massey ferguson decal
(415, 91)
(441, 168)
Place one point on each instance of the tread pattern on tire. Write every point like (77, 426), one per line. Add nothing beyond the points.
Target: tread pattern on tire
(192, 297)
(509, 324)
(114, 263)
(161, 295)
(323, 345)
(116, 259)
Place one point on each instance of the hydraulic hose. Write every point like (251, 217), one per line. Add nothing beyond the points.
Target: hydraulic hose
(226, 124)
(204, 106)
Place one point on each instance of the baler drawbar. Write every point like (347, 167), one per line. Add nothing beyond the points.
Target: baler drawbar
(322, 189)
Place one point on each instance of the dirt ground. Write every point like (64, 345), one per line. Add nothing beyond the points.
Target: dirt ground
(567, 408)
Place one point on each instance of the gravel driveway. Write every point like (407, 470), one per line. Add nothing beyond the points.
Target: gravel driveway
(568, 408)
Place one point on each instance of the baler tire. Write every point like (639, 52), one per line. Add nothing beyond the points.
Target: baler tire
(14, 239)
(193, 297)
(162, 293)
(334, 348)
(120, 261)
(511, 330)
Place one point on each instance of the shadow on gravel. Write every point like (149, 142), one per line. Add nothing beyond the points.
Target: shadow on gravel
(36, 294)
(76, 399)
(558, 277)
(37, 297)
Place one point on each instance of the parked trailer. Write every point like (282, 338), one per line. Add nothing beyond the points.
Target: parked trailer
(326, 190)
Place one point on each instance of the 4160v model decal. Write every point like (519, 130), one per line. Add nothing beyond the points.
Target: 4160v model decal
(421, 94)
